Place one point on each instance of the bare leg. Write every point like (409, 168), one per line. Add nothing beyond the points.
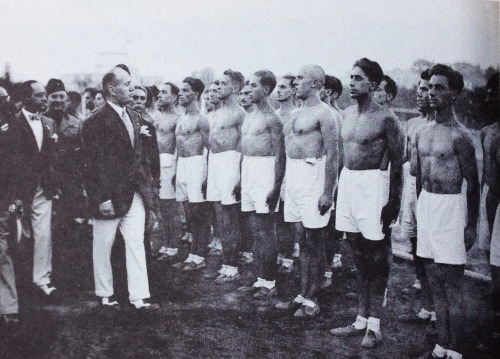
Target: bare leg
(200, 228)
(316, 249)
(284, 233)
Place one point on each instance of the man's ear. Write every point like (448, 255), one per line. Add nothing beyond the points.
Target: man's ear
(373, 86)
(454, 95)
(390, 97)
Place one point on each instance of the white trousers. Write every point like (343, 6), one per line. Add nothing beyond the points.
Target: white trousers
(132, 227)
(41, 216)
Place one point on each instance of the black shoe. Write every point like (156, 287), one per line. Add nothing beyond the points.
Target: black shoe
(9, 320)
(146, 307)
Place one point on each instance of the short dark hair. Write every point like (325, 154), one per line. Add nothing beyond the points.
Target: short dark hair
(107, 80)
(196, 85)
(75, 97)
(174, 89)
(493, 82)
(267, 78)
(92, 91)
(215, 82)
(236, 77)
(371, 68)
(290, 78)
(138, 87)
(455, 78)
(425, 75)
(98, 91)
(26, 90)
(390, 86)
(124, 68)
(332, 83)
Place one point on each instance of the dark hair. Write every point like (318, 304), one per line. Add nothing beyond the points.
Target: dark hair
(247, 82)
(216, 82)
(124, 68)
(493, 82)
(138, 87)
(267, 78)
(332, 83)
(196, 85)
(236, 77)
(455, 78)
(174, 89)
(75, 96)
(290, 78)
(97, 92)
(26, 90)
(390, 86)
(426, 75)
(371, 69)
(92, 91)
(107, 80)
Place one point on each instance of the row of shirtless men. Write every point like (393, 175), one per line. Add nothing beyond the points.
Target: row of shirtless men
(310, 173)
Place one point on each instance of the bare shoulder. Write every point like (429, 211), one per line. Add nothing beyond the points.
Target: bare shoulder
(349, 112)
(461, 137)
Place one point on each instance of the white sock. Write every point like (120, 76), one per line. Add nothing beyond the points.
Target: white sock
(189, 259)
(46, 289)
(269, 284)
(360, 323)
(374, 324)
(439, 351)
(328, 275)
(139, 303)
(299, 299)
(287, 263)
(197, 259)
(433, 316)
(231, 271)
(453, 355)
(424, 314)
(223, 269)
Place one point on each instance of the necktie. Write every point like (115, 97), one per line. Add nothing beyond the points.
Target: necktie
(128, 125)
(34, 117)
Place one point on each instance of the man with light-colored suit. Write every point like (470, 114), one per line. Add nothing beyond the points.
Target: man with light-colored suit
(118, 182)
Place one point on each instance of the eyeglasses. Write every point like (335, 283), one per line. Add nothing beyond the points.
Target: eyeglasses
(135, 97)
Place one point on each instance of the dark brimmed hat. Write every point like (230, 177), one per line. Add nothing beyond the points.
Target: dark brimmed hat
(54, 85)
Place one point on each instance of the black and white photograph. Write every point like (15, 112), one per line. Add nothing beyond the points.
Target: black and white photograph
(250, 179)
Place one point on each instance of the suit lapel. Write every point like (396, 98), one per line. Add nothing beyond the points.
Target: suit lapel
(116, 123)
(137, 127)
(27, 131)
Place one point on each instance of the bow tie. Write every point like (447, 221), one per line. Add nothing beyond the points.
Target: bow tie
(35, 117)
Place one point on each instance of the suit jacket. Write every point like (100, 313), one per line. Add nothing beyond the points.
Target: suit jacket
(153, 153)
(32, 166)
(114, 169)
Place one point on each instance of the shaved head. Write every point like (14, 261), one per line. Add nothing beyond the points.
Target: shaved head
(314, 72)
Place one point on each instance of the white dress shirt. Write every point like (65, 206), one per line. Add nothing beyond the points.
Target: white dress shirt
(121, 111)
(36, 126)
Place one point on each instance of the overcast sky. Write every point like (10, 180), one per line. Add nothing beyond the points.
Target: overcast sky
(50, 38)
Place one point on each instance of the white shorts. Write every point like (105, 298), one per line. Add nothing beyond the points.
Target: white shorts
(409, 204)
(440, 227)
(495, 241)
(167, 172)
(223, 176)
(483, 230)
(360, 199)
(305, 184)
(191, 173)
(257, 181)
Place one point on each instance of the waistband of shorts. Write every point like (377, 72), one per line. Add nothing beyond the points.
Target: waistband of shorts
(196, 156)
(442, 195)
(364, 171)
(313, 159)
(262, 158)
(224, 153)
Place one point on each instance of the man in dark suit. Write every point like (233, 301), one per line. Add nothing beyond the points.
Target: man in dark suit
(33, 144)
(119, 187)
(8, 293)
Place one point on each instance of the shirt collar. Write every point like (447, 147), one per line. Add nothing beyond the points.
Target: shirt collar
(119, 110)
(28, 114)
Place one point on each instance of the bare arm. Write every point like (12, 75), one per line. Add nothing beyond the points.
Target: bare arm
(485, 156)
(418, 169)
(330, 134)
(395, 150)
(468, 165)
(493, 198)
(278, 143)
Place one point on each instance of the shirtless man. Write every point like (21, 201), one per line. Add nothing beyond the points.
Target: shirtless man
(207, 105)
(192, 139)
(224, 172)
(245, 97)
(262, 171)
(329, 94)
(165, 133)
(368, 197)
(488, 135)
(311, 140)
(284, 231)
(446, 223)
(493, 209)
(409, 206)
(216, 103)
